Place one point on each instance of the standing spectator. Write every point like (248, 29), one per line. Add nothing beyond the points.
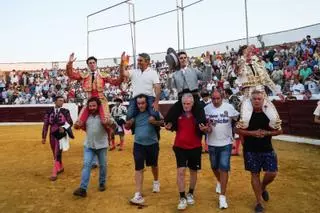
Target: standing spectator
(118, 112)
(258, 151)
(220, 115)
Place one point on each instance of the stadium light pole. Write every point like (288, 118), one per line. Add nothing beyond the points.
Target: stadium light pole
(246, 17)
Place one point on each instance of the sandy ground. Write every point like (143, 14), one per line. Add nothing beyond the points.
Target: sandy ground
(26, 165)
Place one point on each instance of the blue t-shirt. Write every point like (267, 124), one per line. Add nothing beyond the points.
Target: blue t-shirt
(145, 133)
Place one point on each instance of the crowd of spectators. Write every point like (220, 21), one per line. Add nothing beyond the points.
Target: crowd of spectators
(293, 67)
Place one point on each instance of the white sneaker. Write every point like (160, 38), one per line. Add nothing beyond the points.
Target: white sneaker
(156, 187)
(190, 200)
(218, 188)
(223, 202)
(182, 204)
(137, 199)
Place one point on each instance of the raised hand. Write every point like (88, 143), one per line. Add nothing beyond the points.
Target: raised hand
(124, 59)
(72, 58)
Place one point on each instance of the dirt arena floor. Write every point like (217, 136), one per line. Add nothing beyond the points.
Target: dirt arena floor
(26, 165)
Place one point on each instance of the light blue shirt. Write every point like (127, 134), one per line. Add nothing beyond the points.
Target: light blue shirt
(269, 66)
(145, 133)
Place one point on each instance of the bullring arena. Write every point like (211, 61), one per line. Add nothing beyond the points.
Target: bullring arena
(28, 90)
(26, 165)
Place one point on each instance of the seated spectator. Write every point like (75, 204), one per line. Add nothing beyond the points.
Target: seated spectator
(292, 61)
(305, 71)
(290, 97)
(311, 85)
(307, 95)
(288, 73)
(268, 65)
(297, 88)
(311, 42)
(277, 76)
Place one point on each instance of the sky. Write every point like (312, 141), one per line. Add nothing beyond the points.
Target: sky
(45, 31)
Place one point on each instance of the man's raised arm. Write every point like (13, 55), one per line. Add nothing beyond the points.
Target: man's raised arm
(123, 71)
(72, 74)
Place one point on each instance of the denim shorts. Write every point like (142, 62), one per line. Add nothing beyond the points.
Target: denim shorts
(255, 161)
(220, 157)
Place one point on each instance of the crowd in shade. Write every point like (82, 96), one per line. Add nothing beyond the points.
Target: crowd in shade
(293, 67)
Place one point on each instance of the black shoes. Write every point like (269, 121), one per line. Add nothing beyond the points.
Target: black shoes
(258, 208)
(102, 187)
(80, 192)
(265, 195)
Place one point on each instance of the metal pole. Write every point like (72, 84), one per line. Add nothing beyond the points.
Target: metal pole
(87, 37)
(107, 8)
(178, 24)
(182, 16)
(134, 38)
(246, 15)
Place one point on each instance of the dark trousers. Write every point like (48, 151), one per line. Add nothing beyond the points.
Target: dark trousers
(176, 110)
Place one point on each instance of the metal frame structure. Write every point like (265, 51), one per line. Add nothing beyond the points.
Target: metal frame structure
(132, 22)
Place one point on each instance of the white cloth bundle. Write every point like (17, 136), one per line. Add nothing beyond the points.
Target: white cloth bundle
(64, 144)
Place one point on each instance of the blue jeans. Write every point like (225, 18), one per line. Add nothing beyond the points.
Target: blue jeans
(95, 161)
(133, 108)
(220, 157)
(88, 156)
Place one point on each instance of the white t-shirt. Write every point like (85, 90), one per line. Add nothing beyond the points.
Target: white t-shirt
(317, 110)
(221, 118)
(297, 89)
(312, 86)
(142, 82)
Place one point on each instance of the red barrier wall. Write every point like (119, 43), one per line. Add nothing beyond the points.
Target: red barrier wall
(297, 116)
